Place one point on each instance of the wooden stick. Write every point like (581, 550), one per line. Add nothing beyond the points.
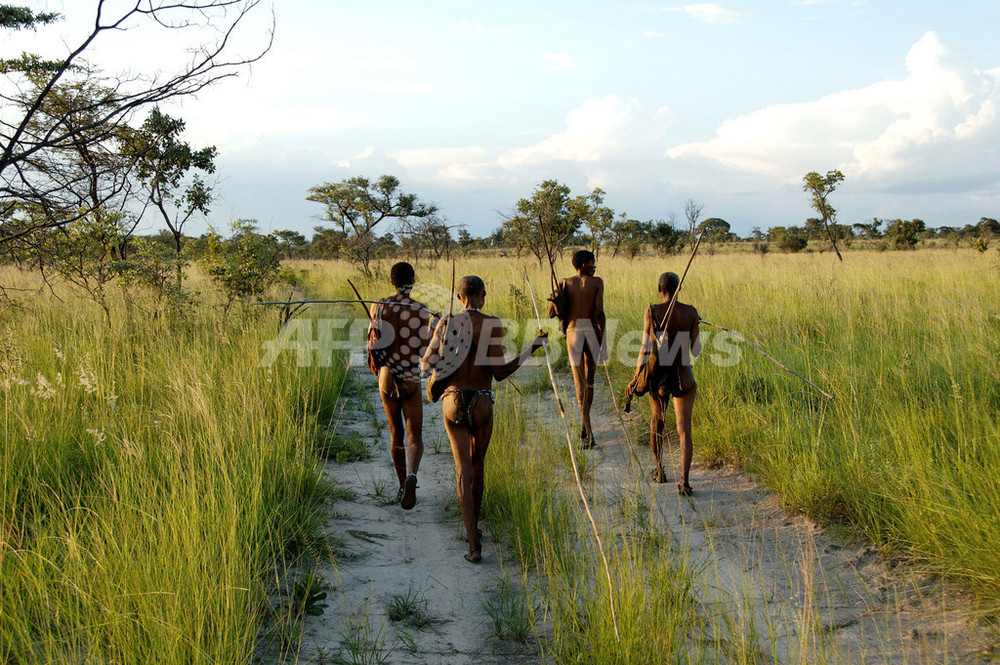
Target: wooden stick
(360, 299)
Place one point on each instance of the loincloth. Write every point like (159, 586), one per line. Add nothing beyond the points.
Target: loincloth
(465, 402)
(667, 384)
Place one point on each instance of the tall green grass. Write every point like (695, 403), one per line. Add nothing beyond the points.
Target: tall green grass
(154, 484)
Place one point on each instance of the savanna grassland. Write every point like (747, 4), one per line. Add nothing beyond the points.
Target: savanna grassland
(157, 482)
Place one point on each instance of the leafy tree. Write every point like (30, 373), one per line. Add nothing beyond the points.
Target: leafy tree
(869, 230)
(326, 243)
(543, 223)
(91, 171)
(355, 206)
(988, 227)
(715, 230)
(163, 163)
(33, 128)
(904, 234)
(597, 217)
(792, 243)
(665, 237)
(85, 253)
(819, 189)
(244, 265)
(759, 241)
(291, 244)
(628, 235)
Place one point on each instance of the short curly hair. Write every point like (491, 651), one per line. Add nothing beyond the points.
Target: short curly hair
(668, 283)
(471, 285)
(401, 274)
(582, 257)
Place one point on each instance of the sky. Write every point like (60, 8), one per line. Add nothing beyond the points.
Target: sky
(473, 104)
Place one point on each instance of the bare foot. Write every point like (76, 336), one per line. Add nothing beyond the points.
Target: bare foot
(409, 498)
(474, 556)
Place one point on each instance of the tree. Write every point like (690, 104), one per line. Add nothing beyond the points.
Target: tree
(429, 234)
(819, 189)
(792, 243)
(244, 265)
(163, 163)
(692, 212)
(85, 253)
(355, 206)
(544, 222)
(91, 171)
(326, 243)
(904, 234)
(628, 235)
(291, 244)
(759, 241)
(32, 127)
(597, 217)
(665, 237)
(715, 229)
(988, 227)
(869, 230)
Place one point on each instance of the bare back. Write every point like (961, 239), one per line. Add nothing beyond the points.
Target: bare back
(682, 332)
(586, 300)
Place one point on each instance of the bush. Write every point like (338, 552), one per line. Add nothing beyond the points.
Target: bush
(792, 243)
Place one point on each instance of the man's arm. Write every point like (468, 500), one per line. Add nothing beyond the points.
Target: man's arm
(430, 358)
(503, 370)
(695, 329)
(600, 321)
(647, 340)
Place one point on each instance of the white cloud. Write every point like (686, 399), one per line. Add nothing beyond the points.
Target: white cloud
(930, 130)
(711, 12)
(555, 62)
(593, 129)
(652, 34)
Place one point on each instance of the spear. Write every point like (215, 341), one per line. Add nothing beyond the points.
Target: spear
(335, 301)
(768, 356)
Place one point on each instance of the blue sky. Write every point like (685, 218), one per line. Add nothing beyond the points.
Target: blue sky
(473, 104)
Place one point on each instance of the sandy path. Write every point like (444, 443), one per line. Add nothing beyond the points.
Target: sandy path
(800, 593)
(389, 552)
(775, 572)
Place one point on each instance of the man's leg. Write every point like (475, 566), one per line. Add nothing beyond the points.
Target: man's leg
(482, 416)
(574, 352)
(394, 414)
(413, 413)
(683, 406)
(590, 370)
(461, 450)
(656, 438)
